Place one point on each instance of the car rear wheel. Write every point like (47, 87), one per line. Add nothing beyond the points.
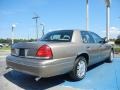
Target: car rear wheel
(79, 69)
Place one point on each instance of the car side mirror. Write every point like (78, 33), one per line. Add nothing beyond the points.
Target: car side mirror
(105, 40)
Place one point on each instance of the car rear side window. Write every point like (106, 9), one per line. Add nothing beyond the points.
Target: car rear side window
(86, 37)
(60, 36)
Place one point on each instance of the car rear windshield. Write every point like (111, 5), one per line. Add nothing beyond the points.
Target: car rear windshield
(60, 36)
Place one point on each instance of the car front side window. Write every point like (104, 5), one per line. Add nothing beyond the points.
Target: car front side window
(97, 39)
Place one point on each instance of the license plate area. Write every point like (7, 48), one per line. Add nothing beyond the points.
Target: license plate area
(21, 52)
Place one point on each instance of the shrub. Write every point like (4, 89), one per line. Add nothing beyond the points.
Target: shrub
(117, 41)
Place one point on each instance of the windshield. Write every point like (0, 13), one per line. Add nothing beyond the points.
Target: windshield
(63, 36)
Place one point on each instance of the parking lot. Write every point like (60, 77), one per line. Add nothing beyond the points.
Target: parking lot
(103, 76)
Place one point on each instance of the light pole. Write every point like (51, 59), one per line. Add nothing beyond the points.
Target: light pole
(87, 16)
(36, 20)
(13, 26)
(107, 2)
(43, 29)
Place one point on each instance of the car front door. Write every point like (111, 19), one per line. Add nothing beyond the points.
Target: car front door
(102, 47)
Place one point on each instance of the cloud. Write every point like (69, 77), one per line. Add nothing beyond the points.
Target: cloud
(113, 32)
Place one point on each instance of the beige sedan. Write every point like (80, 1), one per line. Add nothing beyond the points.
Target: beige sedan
(60, 52)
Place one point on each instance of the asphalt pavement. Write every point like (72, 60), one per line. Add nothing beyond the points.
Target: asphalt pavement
(102, 76)
(3, 54)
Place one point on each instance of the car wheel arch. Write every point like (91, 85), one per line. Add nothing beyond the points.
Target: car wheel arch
(84, 55)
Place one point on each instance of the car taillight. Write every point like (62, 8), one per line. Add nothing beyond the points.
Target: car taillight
(45, 52)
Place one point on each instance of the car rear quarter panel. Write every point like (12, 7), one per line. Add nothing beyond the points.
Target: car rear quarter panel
(67, 52)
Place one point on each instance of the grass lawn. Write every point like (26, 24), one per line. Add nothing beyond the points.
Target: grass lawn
(5, 48)
(117, 49)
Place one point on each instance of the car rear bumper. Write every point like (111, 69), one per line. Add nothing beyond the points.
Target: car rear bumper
(42, 68)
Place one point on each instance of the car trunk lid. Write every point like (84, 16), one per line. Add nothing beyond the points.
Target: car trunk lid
(26, 49)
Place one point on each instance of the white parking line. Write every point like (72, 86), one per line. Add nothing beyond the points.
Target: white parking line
(63, 87)
(7, 85)
(2, 56)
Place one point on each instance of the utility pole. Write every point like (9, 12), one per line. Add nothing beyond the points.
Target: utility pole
(28, 37)
(107, 18)
(36, 20)
(43, 29)
(13, 26)
(87, 16)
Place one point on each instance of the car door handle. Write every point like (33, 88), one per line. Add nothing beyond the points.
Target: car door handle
(100, 45)
(87, 47)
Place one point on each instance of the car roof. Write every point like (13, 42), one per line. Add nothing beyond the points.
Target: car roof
(71, 30)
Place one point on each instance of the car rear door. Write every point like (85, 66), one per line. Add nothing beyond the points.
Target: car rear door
(91, 47)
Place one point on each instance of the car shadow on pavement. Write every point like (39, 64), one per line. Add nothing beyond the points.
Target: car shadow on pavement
(28, 82)
(95, 65)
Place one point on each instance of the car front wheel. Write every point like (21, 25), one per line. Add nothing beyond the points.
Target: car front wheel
(110, 59)
(79, 69)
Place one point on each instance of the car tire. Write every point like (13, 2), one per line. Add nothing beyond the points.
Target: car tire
(79, 69)
(110, 58)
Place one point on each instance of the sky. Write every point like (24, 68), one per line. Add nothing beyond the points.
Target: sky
(56, 15)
